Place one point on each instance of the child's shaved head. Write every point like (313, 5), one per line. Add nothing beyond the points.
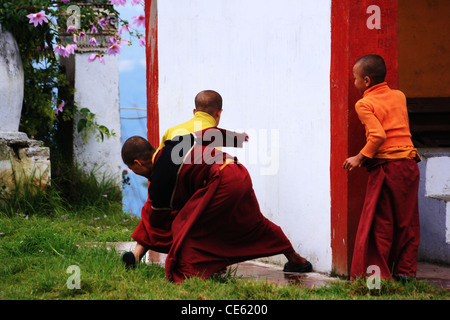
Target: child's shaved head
(136, 148)
(373, 66)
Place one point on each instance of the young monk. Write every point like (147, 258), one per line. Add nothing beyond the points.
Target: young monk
(207, 112)
(202, 210)
(388, 233)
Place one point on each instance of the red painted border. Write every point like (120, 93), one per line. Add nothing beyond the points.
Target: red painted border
(151, 35)
(351, 39)
(339, 86)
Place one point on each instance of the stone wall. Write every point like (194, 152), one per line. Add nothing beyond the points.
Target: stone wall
(22, 160)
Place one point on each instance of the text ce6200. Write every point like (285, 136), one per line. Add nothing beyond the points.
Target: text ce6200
(246, 309)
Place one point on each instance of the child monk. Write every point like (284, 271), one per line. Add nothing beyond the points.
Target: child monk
(388, 233)
(202, 210)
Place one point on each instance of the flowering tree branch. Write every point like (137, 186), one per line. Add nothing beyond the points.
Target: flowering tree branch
(47, 29)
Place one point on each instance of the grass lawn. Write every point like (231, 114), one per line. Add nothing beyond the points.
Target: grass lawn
(41, 259)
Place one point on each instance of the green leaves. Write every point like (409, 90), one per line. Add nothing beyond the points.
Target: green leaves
(46, 83)
(82, 123)
(87, 124)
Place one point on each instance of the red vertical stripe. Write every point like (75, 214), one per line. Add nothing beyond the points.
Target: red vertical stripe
(151, 35)
(339, 86)
(351, 39)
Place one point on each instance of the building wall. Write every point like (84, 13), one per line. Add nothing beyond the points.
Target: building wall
(423, 51)
(97, 88)
(271, 64)
(424, 47)
(434, 207)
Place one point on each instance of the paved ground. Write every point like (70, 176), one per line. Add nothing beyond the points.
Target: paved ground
(435, 274)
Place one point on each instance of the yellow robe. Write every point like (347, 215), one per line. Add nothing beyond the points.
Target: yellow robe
(200, 121)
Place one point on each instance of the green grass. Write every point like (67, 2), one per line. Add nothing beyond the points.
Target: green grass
(35, 254)
(42, 235)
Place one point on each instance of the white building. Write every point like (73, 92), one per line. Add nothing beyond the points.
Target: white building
(284, 70)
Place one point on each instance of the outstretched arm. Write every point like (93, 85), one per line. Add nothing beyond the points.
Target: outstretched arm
(217, 137)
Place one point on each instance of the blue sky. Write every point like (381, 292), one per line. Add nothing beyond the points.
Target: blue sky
(132, 89)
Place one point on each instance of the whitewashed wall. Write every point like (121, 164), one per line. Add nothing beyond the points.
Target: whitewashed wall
(434, 206)
(11, 83)
(271, 63)
(97, 88)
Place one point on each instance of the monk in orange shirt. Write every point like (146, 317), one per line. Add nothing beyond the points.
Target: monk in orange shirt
(388, 232)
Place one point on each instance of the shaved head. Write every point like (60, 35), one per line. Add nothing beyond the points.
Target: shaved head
(208, 101)
(372, 66)
(136, 148)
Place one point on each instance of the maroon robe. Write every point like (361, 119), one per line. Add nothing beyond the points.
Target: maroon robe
(388, 233)
(207, 215)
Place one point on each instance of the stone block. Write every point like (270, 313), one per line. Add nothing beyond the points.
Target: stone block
(23, 160)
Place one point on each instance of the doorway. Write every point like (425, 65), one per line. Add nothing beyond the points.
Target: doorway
(424, 68)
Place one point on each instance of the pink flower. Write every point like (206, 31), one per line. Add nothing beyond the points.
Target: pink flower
(59, 49)
(102, 22)
(65, 51)
(37, 18)
(82, 35)
(135, 2)
(124, 40)
(118, 2)
(125, 27)
(94, 29)
(139, 20)
(71, 29)
(93, 41)
(142, 41)
(60, 108)
(114, 49)
(112, 40)
(70, 49)
(94, 56)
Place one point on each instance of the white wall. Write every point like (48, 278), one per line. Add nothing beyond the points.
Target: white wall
(434, 206)
(11, 83)
(270, 61)
(97, 88)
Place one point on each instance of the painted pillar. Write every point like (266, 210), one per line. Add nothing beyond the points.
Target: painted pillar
(21, 159)
(151, 23)
(97, 88)
(359, 27)
(11, 83)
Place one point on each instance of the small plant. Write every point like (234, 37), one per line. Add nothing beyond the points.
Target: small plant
(71, 189)
(88, 125)
(28, 195)
(82, 189)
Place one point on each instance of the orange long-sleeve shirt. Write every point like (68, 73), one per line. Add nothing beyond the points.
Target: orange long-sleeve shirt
(384, 115)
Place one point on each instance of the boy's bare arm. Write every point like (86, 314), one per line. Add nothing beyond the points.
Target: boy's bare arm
(353, 162)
